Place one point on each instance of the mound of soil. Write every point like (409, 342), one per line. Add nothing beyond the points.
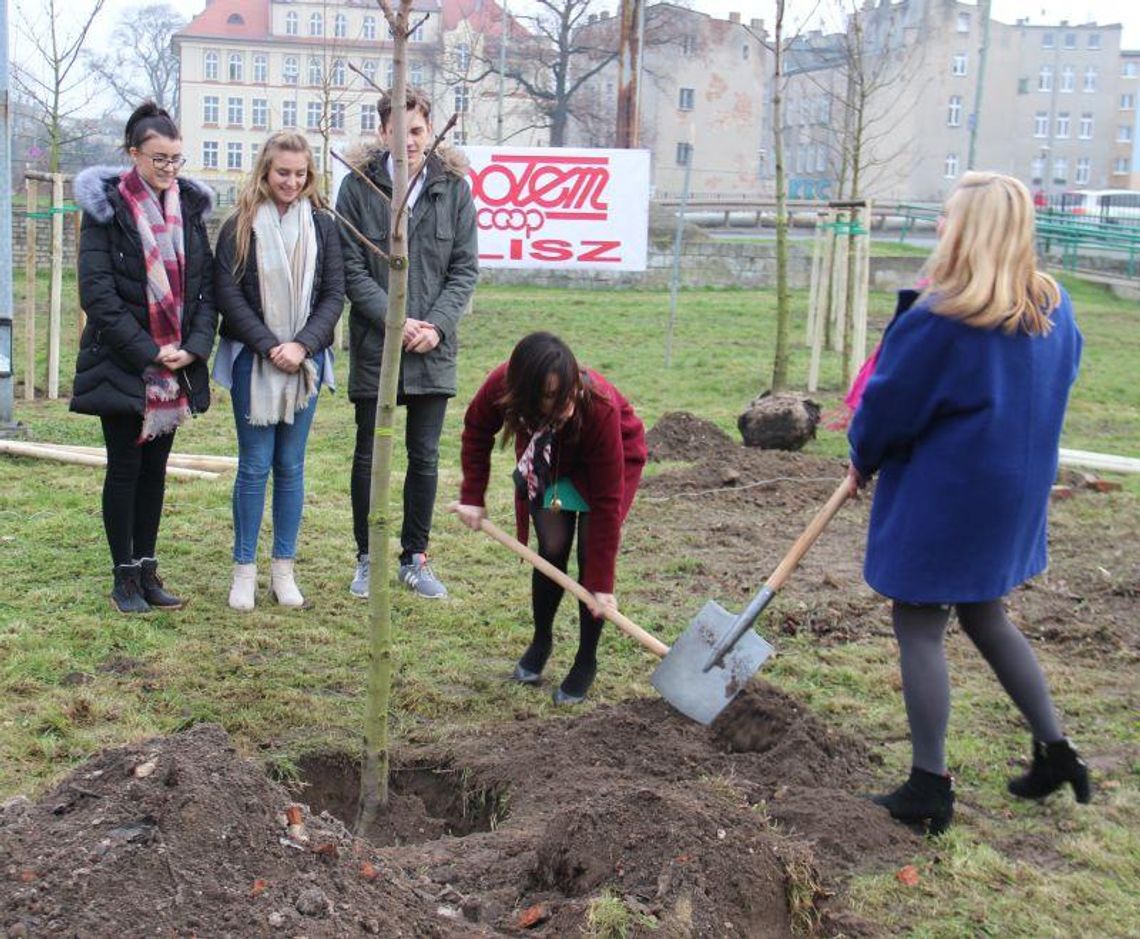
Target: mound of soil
(681, 436)
(181, 836)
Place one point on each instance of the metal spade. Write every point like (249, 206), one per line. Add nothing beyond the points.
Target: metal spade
(714, 658)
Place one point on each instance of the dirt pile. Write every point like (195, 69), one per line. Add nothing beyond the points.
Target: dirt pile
(691, 829)
(681, 436)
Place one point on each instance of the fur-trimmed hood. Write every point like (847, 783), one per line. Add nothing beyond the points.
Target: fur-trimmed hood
(367, 155)
(96, 187)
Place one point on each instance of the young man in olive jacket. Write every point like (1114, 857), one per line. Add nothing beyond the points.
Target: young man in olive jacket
(443, 267)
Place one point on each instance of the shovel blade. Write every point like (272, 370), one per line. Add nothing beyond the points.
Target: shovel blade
(701, 695)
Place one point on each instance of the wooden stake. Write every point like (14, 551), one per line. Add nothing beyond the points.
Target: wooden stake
(30, 298)
(54, 323)
(37, 451)
(81, 316)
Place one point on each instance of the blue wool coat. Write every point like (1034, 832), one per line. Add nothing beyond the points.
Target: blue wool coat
(962, 424)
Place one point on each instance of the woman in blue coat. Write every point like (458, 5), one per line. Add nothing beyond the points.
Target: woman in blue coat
(962, 420)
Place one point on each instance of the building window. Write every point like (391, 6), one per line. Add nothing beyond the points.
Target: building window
(459, 138)
(1084, 170)
(368, 31)
(954, 113)
(1047, 41)
(950, 168)
(417, 34)
(261, 69)
(1041, 124)
(211, 63)
(1090, 78)
(391, 75)
(1045, 78)
(745, 52)
(687, 99)
(415, 73)
(958, 65)
(1127, 102)
(259, 113)
(338, 73)
(1070, 40)
(233, 156)
(368, 67)
(462, 57)
(1129, 70)
(1061, 170)
(210, 109)
(236, 67)
(1094, 43)
(289, 114)
(1037, 169)
(820, 158)
(1063, 124)
(235, 112)
(290, 70)
(1023, 86)
(367, 118)
(963, 22)
(1068, 78)
(316, 25)
(313, 115)
(314, 70)
(684, 154)
(254, 150)
(209, 154)
(1120, 166)
(319, 160)
(1124, 133)
(1085, 130)
(340, 26)
(291, 23)
(336, 116)
(688, 45)
(462, 99)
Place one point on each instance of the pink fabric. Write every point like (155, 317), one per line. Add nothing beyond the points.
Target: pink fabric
(160, 231)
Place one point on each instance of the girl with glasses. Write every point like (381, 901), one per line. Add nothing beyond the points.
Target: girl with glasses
(146, 284)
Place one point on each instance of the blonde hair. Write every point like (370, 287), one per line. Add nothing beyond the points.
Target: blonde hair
(255, 190)
(984, 269)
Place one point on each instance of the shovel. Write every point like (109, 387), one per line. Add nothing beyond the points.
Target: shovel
(627, 626)
(715, 657)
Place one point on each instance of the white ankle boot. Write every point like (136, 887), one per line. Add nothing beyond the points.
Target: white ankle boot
(282, 586)
(244, 587)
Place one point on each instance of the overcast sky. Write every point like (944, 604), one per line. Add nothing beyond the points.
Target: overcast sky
(1125, 12)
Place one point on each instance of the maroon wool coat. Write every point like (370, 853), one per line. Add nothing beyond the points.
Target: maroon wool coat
(604, 463)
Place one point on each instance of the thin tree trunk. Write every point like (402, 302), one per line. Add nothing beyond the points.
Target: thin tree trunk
(374, 775)
(783, 311)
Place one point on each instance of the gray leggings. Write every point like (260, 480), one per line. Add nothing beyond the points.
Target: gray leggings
(920, 631)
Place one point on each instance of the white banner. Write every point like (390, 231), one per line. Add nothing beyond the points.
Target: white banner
(561, 208)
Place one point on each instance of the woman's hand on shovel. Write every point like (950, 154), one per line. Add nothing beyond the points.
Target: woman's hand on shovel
(469, 515)
(855, 481)
(602, 603)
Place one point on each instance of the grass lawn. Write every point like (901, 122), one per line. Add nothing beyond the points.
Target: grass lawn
(75, 677)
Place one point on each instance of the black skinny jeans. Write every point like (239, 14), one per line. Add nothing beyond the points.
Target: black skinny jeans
(421, 438)
(134, 488)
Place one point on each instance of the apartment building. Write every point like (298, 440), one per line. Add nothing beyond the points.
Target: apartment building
(251, 67)
(702, 99)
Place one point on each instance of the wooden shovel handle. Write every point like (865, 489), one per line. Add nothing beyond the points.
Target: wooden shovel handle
(626, 625)
(807, 538)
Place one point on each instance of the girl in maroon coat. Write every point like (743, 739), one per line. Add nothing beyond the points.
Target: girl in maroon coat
(580, 450)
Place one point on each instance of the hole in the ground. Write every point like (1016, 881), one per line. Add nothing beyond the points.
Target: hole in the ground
(425, 802)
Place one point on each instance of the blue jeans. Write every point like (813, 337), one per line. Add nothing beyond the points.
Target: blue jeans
(277, 447)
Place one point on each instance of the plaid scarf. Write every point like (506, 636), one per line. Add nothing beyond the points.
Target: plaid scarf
(533, 473)
(160, 231)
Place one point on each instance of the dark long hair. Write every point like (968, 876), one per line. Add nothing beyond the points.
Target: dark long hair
(535, 358)
(149, 120)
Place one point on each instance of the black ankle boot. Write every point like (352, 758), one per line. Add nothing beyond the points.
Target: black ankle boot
(924, 797)
(528, 671)
(1054, 764)
(127, 595)
(152, 589)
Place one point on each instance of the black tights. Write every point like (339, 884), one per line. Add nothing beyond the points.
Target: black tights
(926, 681)
(133, 489)
(555, 531)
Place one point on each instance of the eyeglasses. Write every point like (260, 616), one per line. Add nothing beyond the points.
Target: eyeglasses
(163, 163)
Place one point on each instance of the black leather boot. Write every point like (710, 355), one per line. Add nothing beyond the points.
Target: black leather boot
(924, 797)
(127, 595)
(528, 671)
(1054, 764)
(152, 589)
(576, 683)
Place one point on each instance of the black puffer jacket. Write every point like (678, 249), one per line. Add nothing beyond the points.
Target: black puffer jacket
(239, 301)
(116, 346)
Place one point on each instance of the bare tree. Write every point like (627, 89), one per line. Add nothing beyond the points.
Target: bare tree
(51, 80)
(143, 63)
(783, 307)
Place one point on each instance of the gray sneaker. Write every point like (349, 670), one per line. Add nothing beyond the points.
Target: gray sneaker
(419, 577)
(359, 585)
